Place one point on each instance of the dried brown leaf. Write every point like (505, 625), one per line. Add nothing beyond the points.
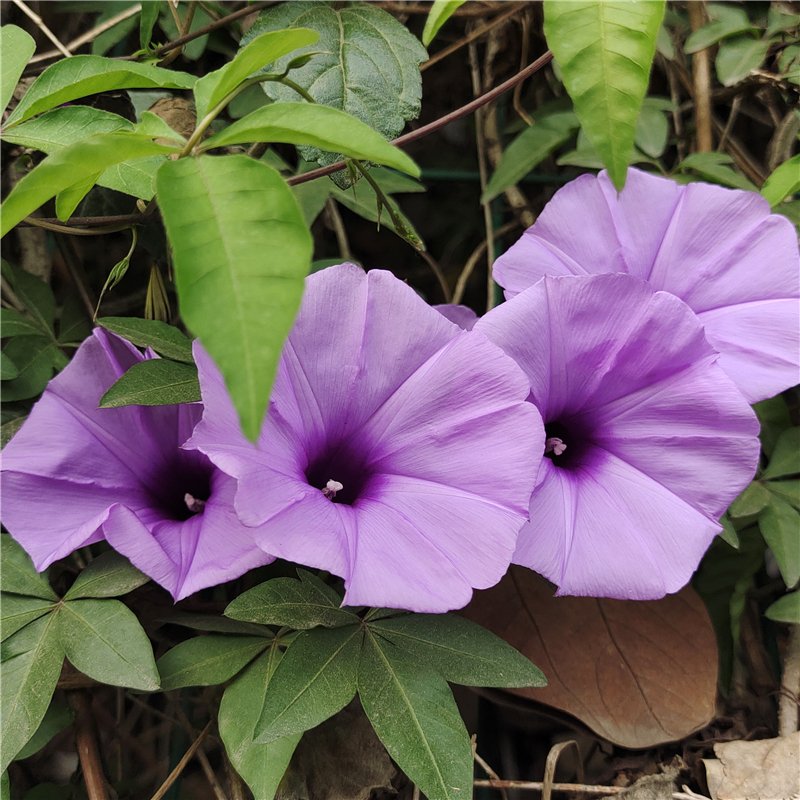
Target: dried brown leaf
(637, 673)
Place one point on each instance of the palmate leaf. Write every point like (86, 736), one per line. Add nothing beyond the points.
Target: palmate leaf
(356, 38)
(17, 47)
(105, 641)
(415, 716)
(261, 765)
(108, 575)
(263, 50)
(241, 251)
(605, 49)
(208, 660)
(785, 609)
(31, 663)
(315, 679)
(17, 573)
(779, 524)
(70, 166)
(8, 369)
(16, 611)
(56, 718)
(81, 76)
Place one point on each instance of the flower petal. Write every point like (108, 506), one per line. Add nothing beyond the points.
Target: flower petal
(462, 316)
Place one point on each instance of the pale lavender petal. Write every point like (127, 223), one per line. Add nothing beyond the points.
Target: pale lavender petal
(463, 316)
(608, 530)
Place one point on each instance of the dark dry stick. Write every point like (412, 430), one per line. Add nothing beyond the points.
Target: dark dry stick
(86, 744)
(537, 786)
(434, 126)
(702, 82)
(181, 765)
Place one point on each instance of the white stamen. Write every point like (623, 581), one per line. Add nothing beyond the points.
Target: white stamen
(331, 487)
(554, 445)
(194, 504)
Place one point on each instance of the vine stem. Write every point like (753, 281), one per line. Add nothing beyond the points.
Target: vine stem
(88, 752)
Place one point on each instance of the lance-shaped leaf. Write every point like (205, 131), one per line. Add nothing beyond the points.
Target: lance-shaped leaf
(786, 609)
(149, 17)
(785, 458)
(309, 124)
(208, 660)
(156, 382)
(108, 575)
(315, 679)
(297, 604)
(355, 38)
(459, 650)
(440, 12)
(31, 664)
(81, 76)
(783, 182)
(241, 251)
(605, 49)
(17, 47)
(105, 641)
(165, 339)
(530, 148)
(263, 50)
(71, 165)
(17, 610)
(415, 716)
(17, 573)
(261, 765)
(779, 524)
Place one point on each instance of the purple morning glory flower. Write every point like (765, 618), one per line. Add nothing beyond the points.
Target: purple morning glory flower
(648, 440)
(719, 250)
(398, 450)
(75, 474)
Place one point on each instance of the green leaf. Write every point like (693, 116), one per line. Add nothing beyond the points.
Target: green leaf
(440, 12)
(664, 43)
(356, 38)
(750, 502)
(35, 357)
(155, 382)
(17, 573)
(17, 47)
(297, 604)
(785, 458)
(117, 33)
(728, 533)
(147, 21)
(787, 490)
(413, 712)
(73, 164)
(305, 123)
(786, 609)
(262, 50)
(459, 650)
(779, 524)
(70, 198)
(785, 181)
(239, 303)
(211, 622)
(81, 76)
(315, 679)
(56, 718)
(12, 323)
(9, 429)
(605, 50)
(165, 339)
(208, 660)
(726, 21)
(16, 611)
(8, 369)
(773, 414)
(31, 664)
(529, 149)
(652, 128)
(108, 575)
(194, 49)
(104, 640)
(261, 765)
(36, 296)
(713, 167)
(736, 59)
(74, 325)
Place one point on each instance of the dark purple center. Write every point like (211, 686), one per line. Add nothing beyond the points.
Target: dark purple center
(338, 464)
(566, 443)
(182, 487)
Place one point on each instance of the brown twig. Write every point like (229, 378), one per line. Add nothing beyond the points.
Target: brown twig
(181, 765)
(89, 36)
(701, 68)
(489, 771)
(437, 271)
(335, 223)
(43, 28)
(432, 127)
(551, 763)
(537, 786)
(523, 58)
(475, 257)
(86, 744)
(470, 37)
(790, 684)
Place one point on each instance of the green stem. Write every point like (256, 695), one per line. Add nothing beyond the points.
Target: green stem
(299, 89)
